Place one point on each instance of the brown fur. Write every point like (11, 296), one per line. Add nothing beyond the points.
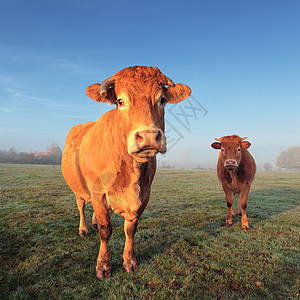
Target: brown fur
(97, 163)
(238, 180)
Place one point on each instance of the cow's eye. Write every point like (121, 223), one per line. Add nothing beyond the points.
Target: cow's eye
(120, 102)
(238, 149)
(163, 101)
(223, 149)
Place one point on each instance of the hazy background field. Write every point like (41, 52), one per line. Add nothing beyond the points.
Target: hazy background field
(181, 246)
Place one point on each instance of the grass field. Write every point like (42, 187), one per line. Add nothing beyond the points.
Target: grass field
(181, 246)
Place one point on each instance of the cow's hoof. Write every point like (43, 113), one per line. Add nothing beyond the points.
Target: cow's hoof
(246, 228)
(130, 266)
(103, 270)
(103, 273)
(83, 232)
(226, 225)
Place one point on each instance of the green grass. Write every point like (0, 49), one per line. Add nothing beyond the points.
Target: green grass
(181, 246)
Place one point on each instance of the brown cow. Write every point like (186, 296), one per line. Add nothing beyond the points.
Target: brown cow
(111, 162)
(236, 169)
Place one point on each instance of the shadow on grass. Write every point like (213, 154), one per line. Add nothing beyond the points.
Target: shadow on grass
(263, 204)
(268, 202)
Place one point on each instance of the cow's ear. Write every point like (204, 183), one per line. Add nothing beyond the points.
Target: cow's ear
(245, 145)
(177, 93)
(216, 145)
(93, 92)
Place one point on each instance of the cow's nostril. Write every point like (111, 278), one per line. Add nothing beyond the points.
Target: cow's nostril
(158, 137)
(139, 138)
(230, 163)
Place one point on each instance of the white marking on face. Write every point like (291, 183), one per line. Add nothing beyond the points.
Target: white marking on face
(131, 141)
(230, 162)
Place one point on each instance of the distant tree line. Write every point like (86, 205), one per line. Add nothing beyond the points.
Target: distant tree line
(268, 166)
(51, 157)
(289, 159)
(164, 165)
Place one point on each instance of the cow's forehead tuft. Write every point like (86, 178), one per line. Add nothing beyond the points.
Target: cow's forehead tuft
(230, 139)
(139, 72)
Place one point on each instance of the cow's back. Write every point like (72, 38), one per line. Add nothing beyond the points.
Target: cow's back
(75, 137)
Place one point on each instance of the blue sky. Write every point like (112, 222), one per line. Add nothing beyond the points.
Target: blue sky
(241, 59)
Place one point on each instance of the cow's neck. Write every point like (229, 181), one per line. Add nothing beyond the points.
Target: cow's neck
(138, 171)
(121, 165)
(237, 174)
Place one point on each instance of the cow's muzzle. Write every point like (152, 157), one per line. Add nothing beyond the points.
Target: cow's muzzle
(146, 142)
(230, 164)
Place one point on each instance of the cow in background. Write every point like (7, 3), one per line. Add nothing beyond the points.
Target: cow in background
(111, 162)
(236, 169)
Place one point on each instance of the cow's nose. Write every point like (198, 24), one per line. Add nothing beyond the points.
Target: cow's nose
(231, 163)
(148, 139)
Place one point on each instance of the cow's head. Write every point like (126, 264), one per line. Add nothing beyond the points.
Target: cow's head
(140, 94)
(231, 150)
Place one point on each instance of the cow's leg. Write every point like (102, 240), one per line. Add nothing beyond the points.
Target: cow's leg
(129, 263)
(103, 268)
(238, 209)
(229, 201)
(94, 222)
(232, 211)
(83, 230)
(243, 204)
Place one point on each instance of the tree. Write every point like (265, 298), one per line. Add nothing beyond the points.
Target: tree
(267, 166)
(289, 159)
(164, 165)
(3, 156)
(198, 167)
(28, 158)
(55, 154)
(55, 150)
(11, 155)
